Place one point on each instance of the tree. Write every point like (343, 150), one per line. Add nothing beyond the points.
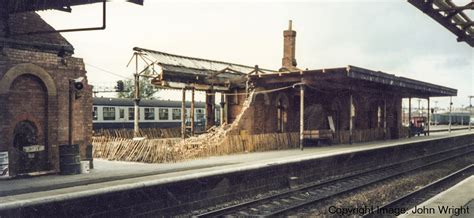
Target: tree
(147, 90)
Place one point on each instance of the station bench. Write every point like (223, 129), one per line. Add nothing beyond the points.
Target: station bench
(318, 137)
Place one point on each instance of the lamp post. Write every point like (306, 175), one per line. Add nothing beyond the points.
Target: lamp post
(450, 106)
(470, 110)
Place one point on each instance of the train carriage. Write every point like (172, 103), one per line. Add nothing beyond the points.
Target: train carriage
(117, 113)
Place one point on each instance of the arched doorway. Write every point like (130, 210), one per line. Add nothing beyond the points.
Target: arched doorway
(32, 155)
(282, 112)
(375, 114)
(29, 95)
(315, 117)
(28, 107)
(336, 114)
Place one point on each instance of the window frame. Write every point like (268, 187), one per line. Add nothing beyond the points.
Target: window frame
(149, 113)
(173, 114)
(108, 111)
(160, 110)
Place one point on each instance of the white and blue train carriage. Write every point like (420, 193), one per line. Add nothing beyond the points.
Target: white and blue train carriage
(117, 113)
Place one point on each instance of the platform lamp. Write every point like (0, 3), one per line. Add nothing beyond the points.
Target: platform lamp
(470, 110)
(450, 106)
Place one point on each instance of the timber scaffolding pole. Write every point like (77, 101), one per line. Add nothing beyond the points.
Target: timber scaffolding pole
(192, 112)
(137, 96)
(183, 115)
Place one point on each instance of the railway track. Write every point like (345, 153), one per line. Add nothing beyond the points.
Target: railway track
(293, 199)
(411, 199)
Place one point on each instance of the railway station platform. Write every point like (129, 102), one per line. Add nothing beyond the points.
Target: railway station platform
(457, 201)
(114, 176)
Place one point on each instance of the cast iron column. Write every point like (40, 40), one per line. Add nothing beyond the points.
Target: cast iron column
(301, 116)
(183, 114)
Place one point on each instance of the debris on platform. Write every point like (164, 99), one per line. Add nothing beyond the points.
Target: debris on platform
(219, 140)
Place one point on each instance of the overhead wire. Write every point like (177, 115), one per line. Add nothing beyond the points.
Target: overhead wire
(106, 71)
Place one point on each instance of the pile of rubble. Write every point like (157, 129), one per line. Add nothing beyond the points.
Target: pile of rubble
(201, 145)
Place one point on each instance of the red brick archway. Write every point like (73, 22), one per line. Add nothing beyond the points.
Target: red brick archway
(28, 106)
(30, 95)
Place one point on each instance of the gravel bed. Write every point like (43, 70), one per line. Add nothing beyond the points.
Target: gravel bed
(386, 191)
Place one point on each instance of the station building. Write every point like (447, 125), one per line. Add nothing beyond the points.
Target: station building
(340, 105)
(36, 71)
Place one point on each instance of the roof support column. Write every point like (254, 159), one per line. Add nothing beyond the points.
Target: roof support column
(429, 111)
(210, 113)
(183, 115)
(301, 116)
(226, 109)
(136, 108)
(409, 118)
(192, 112)
(351, 118)
(223, 108)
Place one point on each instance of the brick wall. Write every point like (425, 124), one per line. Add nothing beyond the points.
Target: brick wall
(35, 72)
(262, 116)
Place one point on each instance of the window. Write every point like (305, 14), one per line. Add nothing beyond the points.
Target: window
(176, 114)
(282, 115)
(379, 117)
(149, 113)
(200, 115)
(121, 113)
(94, 114)
(131, 113)
(163, 114)
(108, 113)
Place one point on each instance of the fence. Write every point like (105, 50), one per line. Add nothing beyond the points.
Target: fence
(175, 149)
(151, 133)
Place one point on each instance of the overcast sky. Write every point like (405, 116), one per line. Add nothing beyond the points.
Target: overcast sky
(391, 36)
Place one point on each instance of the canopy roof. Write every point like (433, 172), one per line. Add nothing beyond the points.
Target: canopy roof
(179, 71)
(202, 74)
(355, 79)
(18, 6)
(451, 16)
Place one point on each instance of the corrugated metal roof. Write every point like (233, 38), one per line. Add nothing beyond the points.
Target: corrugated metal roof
(143, 103)
(198, 64)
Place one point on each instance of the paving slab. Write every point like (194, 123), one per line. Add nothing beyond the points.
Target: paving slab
(118, 175)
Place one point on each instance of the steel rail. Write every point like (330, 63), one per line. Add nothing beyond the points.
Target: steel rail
(230, 209)
(427, 188)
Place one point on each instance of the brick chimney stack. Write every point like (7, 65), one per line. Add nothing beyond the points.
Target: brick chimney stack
(289, 44)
